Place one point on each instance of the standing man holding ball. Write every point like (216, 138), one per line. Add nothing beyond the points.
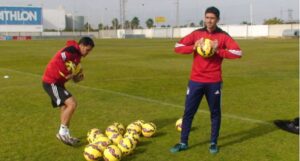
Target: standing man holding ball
(209, 46)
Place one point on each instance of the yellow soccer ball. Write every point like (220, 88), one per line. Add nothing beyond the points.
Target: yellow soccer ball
(121, 127)
(112, 153)
(78, 74)
(102, 142)
(126, 146)
(78, 69)
(148, 129)
(71, 66)
(92, 153)
(206, 50)
(134, 128)
(111, 129)
(92, 134)
(139, 122)
(133, 136)
(178, 124)
(116, 138)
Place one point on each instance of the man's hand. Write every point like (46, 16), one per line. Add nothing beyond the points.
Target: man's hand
(214, 44)
(67, 77)
(77, 78)
(199, 43)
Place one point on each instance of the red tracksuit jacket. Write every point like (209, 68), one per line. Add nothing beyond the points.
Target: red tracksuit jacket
(57, 64)
(208, 70)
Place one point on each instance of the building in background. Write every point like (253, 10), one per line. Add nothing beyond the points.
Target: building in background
(74, 22)
(38, 19)
(54, 19)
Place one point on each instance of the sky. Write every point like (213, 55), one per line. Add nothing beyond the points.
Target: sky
(232, 11)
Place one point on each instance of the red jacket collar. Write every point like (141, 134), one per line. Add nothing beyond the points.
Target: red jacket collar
(73, 43)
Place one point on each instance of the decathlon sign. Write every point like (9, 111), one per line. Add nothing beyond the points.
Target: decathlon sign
(20, 16)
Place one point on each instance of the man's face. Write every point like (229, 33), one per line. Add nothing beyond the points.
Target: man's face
(85, 49)
(211, 20)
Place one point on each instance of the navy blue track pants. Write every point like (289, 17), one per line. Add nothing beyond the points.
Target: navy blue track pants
(195, 92)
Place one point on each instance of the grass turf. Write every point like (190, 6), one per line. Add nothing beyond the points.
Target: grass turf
(128, 80)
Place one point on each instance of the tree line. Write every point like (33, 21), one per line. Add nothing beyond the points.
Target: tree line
(135, 23)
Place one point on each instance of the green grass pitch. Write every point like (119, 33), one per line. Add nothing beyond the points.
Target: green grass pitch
(128, 80)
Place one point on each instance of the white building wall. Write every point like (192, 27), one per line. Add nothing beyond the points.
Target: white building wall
(148, 33)
(186, 31)
(54, 19)
(258, 30)
(234, 31)
(277, 30)
(21, 28)
(237, 30)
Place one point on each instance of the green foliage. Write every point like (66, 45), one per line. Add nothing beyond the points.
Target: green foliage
(100, 26)
(245, 23)
(127, 24)
(201, 23)
(115, 23)
(88, 27)
(135, 22)
(150, 23)
(126, 80)
(273, 21)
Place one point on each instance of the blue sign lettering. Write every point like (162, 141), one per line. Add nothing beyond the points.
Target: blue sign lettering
(20, 16)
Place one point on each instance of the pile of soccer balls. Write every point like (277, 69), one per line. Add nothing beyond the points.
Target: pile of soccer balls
(117, 141)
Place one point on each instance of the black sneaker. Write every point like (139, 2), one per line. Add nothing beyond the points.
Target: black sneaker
(286, 125)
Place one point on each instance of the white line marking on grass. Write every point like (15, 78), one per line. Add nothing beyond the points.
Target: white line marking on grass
(148, 99)
(140, 78)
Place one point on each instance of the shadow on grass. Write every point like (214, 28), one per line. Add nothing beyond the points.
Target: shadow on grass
(160, 123)
(83, 142)
(134, 154)
(194, 128)
(241, 136)
(143, 143)
(160, 134)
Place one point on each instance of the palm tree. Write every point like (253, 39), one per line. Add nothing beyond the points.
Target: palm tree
(115, 23)
(100, 26)
(88, 27)
(201, 23)
(150, 23)
(127, 24)
(192, 24)
(135, 22)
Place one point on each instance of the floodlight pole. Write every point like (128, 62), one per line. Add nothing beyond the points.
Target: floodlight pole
(121, 15)
(177, 13)
(73, 23)
(88, 22)
(251, 13)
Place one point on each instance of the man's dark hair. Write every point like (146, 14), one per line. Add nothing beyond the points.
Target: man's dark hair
(213, 10)
(86, 41)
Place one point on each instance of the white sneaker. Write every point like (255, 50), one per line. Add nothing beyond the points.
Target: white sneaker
(67, 139)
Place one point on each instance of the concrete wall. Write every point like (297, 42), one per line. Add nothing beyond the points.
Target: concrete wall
(240, 31)
(277, 30)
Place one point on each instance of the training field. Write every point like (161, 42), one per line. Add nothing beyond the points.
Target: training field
(128, 80)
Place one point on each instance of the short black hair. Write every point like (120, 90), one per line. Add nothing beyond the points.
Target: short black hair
(86, 41)
(213, 10)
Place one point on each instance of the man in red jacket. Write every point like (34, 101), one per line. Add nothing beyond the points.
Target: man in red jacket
(206, 75)
(59, 70)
